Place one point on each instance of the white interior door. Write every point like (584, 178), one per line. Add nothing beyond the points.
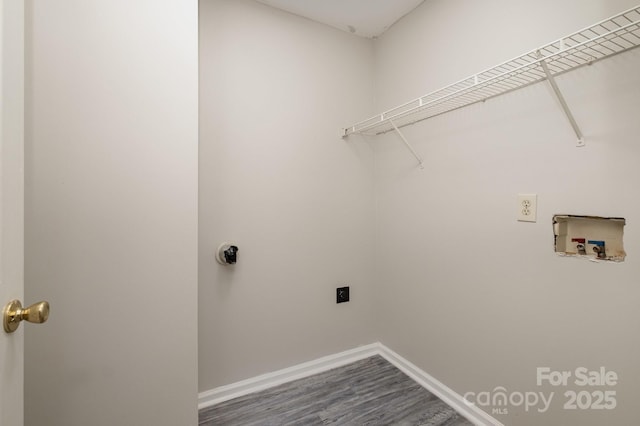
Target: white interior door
(11, 204)
(145, 368)
(111, 212)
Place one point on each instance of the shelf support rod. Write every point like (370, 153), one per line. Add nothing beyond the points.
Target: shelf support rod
(563, 102)
(415, 154)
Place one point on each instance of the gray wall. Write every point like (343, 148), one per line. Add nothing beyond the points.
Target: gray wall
(482, 300)
(111, 212)
(277, 179)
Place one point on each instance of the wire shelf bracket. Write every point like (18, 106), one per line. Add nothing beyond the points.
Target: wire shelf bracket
(601, 40)
(563, 103)
(413, 151)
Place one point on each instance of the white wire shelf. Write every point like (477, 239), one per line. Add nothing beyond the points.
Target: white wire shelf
(606, 38)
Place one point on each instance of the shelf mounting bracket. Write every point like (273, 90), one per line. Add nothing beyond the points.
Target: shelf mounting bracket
(561, 100)
(415, 154)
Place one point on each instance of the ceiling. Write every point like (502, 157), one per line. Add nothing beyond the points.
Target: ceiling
(366, 18)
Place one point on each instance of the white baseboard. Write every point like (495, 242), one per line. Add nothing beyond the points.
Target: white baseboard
(300, 371)
(266, 381)
(453, 399)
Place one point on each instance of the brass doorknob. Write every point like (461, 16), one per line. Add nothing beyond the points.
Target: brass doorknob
(13, 314)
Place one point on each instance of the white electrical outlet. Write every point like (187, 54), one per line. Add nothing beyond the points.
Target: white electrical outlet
(527, 206)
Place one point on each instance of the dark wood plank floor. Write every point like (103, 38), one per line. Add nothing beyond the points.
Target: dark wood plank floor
(368, 392)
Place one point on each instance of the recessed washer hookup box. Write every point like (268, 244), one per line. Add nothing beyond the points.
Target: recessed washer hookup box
(589, 237)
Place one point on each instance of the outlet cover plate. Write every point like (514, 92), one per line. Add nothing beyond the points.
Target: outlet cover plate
(527, 207)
